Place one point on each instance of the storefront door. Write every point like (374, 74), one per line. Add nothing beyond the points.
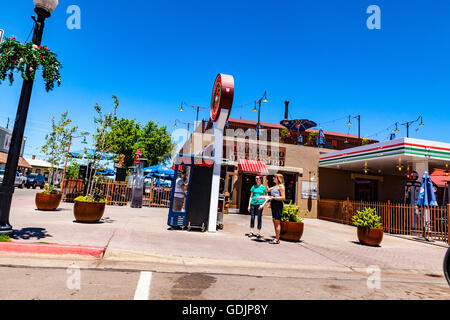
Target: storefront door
(366, 190)
(248, 181)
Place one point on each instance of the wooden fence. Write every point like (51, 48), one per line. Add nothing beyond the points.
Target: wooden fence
(118, 194)
(430, 223)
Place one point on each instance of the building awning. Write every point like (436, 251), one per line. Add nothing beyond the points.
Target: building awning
(252, 166)
(22, 162)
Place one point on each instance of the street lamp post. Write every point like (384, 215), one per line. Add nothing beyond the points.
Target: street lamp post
(408, 124)
(258, 125)
(194, 107)
(43, 9)
(359, 124)
(185, 123)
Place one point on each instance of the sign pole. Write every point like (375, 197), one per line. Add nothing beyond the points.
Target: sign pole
(221, 104)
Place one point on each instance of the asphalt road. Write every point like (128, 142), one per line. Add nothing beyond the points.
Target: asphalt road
(35, 278)
(76, 283)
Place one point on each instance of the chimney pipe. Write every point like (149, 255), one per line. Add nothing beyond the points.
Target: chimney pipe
(286, 110)
(33, 157)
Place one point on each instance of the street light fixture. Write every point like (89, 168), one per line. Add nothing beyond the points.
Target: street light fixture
(263, 99)
(188, 124)
(359, 124)
(408, 124)
(194, 107)
(43, 9)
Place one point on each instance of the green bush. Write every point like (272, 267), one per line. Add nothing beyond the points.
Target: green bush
(367, 218)
(50, 189)
(291, 213)
(4, 238)
(90, 198)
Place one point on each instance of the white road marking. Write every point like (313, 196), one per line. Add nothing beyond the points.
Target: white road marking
(143, 286)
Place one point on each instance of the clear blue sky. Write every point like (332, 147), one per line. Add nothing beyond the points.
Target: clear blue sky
(318, 54)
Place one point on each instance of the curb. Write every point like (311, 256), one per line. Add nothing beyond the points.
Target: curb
(55, 249)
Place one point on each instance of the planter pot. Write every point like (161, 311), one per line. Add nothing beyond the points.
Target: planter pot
(47, 202)
(291, 231)
(88, 212)
(369, 236)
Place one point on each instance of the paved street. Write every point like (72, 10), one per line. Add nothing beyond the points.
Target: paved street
(329, 263)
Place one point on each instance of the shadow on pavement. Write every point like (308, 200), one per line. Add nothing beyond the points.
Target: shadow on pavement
(30, 233)
(360, 244)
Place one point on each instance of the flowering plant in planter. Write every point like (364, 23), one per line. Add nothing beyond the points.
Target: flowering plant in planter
(291, 213)
(370, 230)
(367, 218)
(15, 56)
(292, 223)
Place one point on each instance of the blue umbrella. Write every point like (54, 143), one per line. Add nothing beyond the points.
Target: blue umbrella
(90, 154)
(107, 172)
(321, 139)
(427, 197)
(159, 169)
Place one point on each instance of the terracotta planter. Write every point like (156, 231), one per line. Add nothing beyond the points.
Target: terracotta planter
(369, 236)
(47, 202)
(291, 231)
(88, 212)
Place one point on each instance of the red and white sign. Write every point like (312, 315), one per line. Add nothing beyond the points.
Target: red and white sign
(223, 95)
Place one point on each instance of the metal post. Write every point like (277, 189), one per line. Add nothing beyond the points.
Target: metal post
(65, 165)
(7, 187)
(448, 223)
(259, 120)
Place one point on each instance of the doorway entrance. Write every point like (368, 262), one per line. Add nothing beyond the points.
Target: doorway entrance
(366, 190)
(248, 181)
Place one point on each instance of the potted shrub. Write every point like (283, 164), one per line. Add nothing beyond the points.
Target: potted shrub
(54, 149)
(90, 208)
(292, 223)
(49, 199)
(370, 230)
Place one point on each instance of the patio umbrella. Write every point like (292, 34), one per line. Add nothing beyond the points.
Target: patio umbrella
(321, 139)
(90, 154)
(298, 125)
(427, 198)
(159, 169)
(107, 172)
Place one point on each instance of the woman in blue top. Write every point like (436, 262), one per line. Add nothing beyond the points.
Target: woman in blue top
(256, 206)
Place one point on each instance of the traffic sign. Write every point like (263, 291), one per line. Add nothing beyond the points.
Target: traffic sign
(1, 35)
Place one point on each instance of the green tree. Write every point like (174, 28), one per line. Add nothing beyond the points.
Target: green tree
(57, 142)
(72, 171)
(127, 136)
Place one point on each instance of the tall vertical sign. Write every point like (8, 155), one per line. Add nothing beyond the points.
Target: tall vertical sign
(221, 104)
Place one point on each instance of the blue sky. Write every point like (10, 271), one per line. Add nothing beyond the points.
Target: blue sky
(320, 55)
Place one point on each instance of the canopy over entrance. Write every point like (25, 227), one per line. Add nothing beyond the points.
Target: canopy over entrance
(395, 157)
(252, 166)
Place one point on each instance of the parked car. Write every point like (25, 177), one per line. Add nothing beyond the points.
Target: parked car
(35, 180)
(20, 180)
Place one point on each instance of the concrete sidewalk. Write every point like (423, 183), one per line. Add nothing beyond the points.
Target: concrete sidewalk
(142, 235)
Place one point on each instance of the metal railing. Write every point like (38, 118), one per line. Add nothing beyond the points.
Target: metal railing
(426, 222)
(118, 194)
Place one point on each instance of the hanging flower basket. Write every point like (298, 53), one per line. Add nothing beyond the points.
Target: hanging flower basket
(16, 57)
